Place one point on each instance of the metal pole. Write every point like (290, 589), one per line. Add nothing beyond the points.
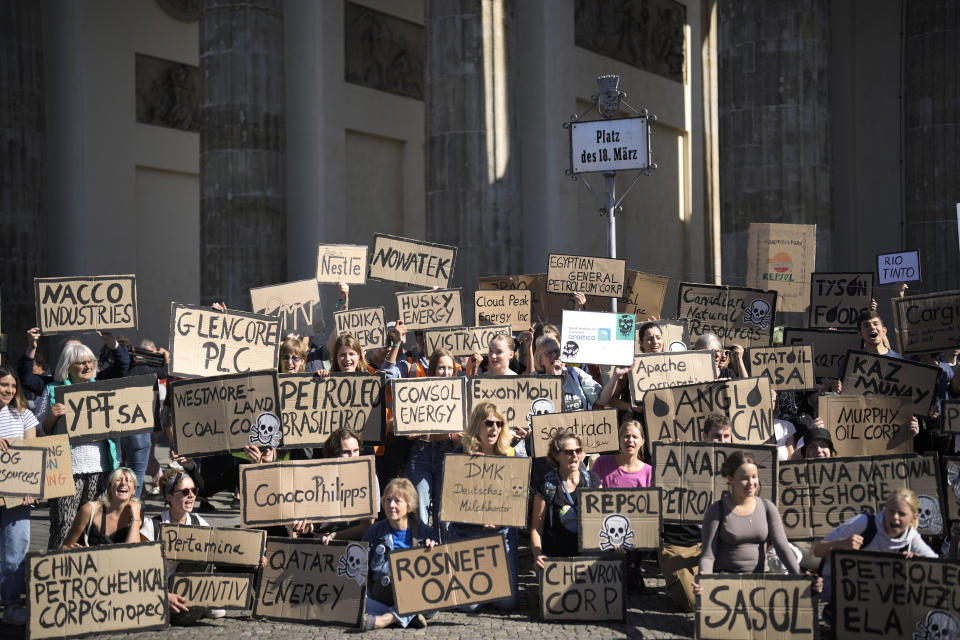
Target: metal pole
(610, 179)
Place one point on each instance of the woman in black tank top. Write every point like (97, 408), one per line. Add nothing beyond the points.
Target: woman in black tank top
(114, 518)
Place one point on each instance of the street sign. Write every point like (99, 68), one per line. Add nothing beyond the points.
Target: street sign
(610, 145)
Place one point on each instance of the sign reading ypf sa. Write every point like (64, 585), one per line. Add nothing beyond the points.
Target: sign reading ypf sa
(610, 145)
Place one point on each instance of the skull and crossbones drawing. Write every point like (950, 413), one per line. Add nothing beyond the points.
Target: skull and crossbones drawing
(938, 625)
(616, 533)
(757, 313)
(570, 349)
(353, 564)
(930, 519)
(265, 431)
(539, 407)
(953, 479)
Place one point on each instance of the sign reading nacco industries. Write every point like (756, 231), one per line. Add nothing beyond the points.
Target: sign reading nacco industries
(610, 145)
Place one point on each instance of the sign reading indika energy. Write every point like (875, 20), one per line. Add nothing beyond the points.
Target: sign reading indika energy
(610, 145)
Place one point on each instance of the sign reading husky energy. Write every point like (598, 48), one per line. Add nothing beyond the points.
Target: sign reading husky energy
(430, 309)
(80, 305)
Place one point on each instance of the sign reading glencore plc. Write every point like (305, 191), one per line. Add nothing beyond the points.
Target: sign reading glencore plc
(610, 145)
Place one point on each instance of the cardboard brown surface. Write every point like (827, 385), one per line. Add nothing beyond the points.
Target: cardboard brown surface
(547, 307)
(829, 347)
(430, 309)
(867, 374)
(204, 342)
(950, 415)
(488, 490)
(314, 407)
(603, 277)
(781, 607)
(583, 588)
(738, 315)
(643, 295)
(928, 322)
(688, 474)
(219, 590)
(223, 414)
(951, 497)
(212, 545)
(511, 307)
(669, 369)
(126, 582)
(788, 367)
(450, 575)
(342, 263)
(109, 408)
(463, 341)
(413, 262)
(366, 325)
(614, 519)
(58, 474)
(331, 490)
(679, 412)
(597, 430)
(83, 305)
(296, 304)
(307, 582)
(429, 405)
(676, 336)
(868, 425)
(517, 397)
(818, 495)
(836, 299)
(781, 257)
(22, 468)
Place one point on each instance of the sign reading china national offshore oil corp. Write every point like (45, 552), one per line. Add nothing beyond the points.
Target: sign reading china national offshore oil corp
(204, 342)
(620, 144)
(780, 257)
(413, 262)
(928, 322)
(737, 315)
(584, 274)
(429, 405)
(79, 305)
(107, 409)
(485, 490)
(313, 407)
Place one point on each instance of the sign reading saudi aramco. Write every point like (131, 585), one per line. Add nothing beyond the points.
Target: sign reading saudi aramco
(610, 145)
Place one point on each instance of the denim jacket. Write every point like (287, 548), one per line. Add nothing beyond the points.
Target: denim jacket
(380, 539)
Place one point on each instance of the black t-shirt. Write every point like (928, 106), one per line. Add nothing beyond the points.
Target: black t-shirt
(682, 535)
(560, 521)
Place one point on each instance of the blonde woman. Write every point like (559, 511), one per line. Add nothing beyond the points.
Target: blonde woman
(114, 518)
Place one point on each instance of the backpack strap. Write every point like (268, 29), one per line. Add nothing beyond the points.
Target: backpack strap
(550, 494)
(870, 532)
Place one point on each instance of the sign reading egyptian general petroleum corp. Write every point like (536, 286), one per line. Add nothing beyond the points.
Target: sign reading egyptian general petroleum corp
(610, 145)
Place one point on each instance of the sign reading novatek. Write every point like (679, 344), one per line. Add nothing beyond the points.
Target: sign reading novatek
(610, 145)
(412, 262)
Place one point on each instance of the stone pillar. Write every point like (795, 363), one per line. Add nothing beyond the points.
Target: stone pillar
(774, 113)
(242, 143)
(23, 250)
(931, 81)
(472, 162)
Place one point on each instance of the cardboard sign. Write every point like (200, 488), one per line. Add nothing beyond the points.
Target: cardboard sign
(413, 262)
(22, 470)
(223, 414)
(429, 405)
(510, 306)
(927, 323)
(517, 397)
(583, 274)
(334, 490)
(108, 409)
(220, 590)
(488, 490)
(679, 412)
(366, 325)
(829, 347)
(885, 595)
(788, 367)
(951, 469)
(781, 257)
(212, 545)
(598, 338)
(820, 494)
(688, 474)
(950, 416)
(867, 374)
(676, 336)
(58, 474)
(898, 267)
(204, 342)
(81, 305)
(464, 341)
(547, 307)
(297, 304)
(836, 299)
(737, 315)
(583, 588)
(450, 575)
(96, 590)
(342, 263)
(619, 519)
(307, 582)
(781, 606)
(868, 425)
(643, 295)
(314, 407)
(597, 430)
(669, 369)
(430, 309)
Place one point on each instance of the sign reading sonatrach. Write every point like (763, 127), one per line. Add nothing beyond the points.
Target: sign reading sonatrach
(297, 304)
(583, 588)
(366, 325)
(597, 430)
(867, 374)
(429, 405)
(737, 315)
(518, 397)
(313, 407)
(669, 369)
(430, 309)
(412, 262)
(788, 367)
(342, 263)
(582, 274)
(204, 342)
(80, 305)
(109, 408)
(836, 299)
(509, 306)
(928, 322)
(212, 545)
(829, 347)
(868, 425)
(619, 519)
(487, 490)
(464, 341)
(781, 606)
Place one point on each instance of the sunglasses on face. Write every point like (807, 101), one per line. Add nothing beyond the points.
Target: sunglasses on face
(87, 364)
(188, 491)
(572, 452)
(493, 423)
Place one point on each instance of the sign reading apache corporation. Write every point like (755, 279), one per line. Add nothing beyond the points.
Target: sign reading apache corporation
(610, 145)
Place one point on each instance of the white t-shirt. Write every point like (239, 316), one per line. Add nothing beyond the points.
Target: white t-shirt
(146, 530)
(783, 430)
(14, 424)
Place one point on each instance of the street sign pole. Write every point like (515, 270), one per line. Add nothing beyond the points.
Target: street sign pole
(610, 177)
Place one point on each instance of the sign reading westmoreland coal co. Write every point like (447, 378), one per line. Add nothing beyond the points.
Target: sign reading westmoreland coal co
(929, 322)
(583, 588)
(108, 408)
(757, 606)
(79, 305)
(622, 144)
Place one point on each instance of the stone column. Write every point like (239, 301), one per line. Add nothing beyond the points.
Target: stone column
(774, 113)
(472, 162)
(931, 81)
(23, 250)
(242, 142)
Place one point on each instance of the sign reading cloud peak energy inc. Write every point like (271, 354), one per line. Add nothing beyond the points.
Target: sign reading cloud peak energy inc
(413, 262)
(509, 306)
(204, 342)
(585, 274)
(599, 338)
(610, 145)
(77, 305)
(737, 315)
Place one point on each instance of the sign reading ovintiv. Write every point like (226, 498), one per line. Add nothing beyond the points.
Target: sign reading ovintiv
(610, 145)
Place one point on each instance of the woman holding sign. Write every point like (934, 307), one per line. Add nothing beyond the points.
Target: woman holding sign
(580, 390)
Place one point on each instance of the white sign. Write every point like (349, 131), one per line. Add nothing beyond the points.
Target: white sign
(597, 338)
(610, 145)
(898, 267)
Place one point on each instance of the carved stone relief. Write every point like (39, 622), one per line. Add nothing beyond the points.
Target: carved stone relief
(383, 52)
(167, 93)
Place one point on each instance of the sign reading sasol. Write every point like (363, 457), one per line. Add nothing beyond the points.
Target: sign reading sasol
(610, 145)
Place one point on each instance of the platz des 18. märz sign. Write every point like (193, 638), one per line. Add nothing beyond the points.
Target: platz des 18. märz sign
(610, 145)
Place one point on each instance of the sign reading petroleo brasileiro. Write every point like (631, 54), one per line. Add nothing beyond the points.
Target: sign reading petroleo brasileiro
(610, 145)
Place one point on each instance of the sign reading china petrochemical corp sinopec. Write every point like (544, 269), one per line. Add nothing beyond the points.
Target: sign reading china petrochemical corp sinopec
(610, 145)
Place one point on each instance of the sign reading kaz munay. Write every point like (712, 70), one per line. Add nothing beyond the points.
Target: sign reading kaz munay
(610, 145)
